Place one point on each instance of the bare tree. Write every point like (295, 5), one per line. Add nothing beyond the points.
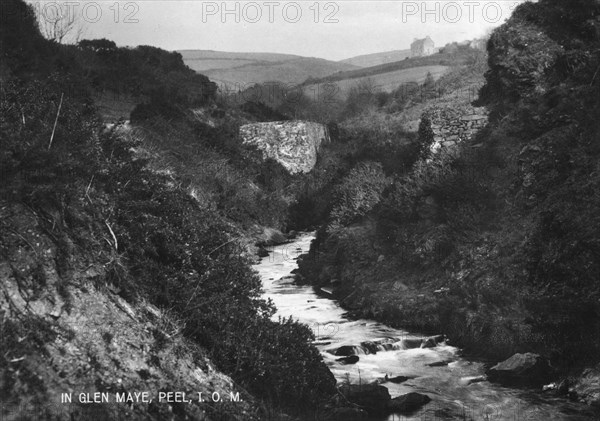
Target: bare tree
(59, 22)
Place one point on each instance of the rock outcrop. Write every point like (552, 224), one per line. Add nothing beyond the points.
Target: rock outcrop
(521, 369)
(294, 144)
(372, 397)
(408, 403)
(351, 359)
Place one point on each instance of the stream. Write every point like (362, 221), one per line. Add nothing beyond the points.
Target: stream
(454, 383)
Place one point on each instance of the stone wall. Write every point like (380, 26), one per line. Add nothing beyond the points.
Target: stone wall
(294, 144)
(453, 125)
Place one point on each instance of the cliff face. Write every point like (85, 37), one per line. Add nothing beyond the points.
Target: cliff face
(294, 144)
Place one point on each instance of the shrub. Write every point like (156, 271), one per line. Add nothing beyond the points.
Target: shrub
(183, 258)
(358, 194)
(519, 56)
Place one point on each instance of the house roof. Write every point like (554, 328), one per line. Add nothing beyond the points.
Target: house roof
(421, 42)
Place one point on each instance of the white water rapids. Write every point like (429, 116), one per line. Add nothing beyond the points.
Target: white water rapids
(454, 395)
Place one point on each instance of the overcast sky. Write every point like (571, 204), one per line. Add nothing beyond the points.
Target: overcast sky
(328, 29)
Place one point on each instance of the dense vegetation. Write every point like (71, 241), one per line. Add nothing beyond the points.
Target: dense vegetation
(497, 246)
(162, 245)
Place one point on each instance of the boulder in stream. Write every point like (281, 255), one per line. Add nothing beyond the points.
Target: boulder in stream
(372, 397)
(408, 403)
(429, 343)
(369, 347)
(346, 350)
(351, 359)
(410, 343)
(433, 341)
(521, 370)
(442, 363)
(398, 379)
(347, 414)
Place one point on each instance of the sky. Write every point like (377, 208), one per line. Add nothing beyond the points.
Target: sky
(333, 30)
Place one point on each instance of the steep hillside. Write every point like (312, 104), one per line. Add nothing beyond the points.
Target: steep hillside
(121, 268)
(375, 59)
(58, 307)
(492, 236)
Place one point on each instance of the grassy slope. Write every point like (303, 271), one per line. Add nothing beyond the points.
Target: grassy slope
(386, 77)
(385, 82)
(441, 59)
(375, 59)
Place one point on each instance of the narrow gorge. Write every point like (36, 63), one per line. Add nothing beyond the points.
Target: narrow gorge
(172, 248)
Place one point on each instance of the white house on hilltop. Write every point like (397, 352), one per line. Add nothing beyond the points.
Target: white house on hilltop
(422, 47)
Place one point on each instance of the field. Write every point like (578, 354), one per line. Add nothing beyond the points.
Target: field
(291, 72)
(243, 69)
(376, 59)
(202, 65)
(385, 82)
(226, 55)
(440, 59)
(203, 60)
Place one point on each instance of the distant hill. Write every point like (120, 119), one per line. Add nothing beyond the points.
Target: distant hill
(249, 68)
(375, 59)
(202, 60)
